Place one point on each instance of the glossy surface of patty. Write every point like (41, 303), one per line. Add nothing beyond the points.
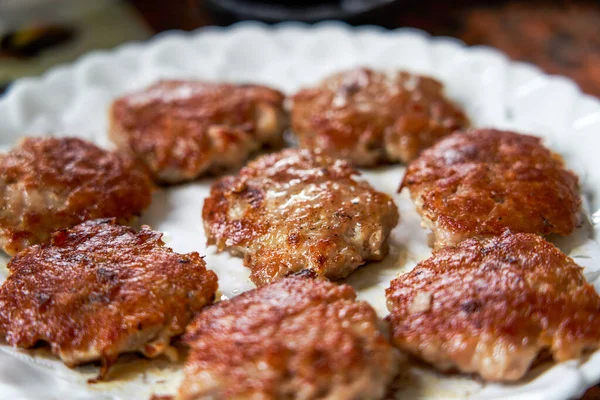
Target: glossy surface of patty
(483, 181)
(491, 306)
(101, 289)
(297, 210)
(184, 129)
(370, 117)
(298, 338)
(51, 183)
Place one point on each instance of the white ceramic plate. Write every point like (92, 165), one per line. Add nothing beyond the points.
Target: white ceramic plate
(73, 100)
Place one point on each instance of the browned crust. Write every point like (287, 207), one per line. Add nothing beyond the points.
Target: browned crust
(298, 210)
(95, 288)
(52, 183)
(183, 129)
(490, 306)
(371, 117)
(481, 182)
(296, 338)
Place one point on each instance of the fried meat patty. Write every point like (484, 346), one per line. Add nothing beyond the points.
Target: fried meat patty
(297, 210)
(101, 289)
(183, 129)
(51, 183)
(491, 306)
(481, 182)
(370, 117)
(298, 338)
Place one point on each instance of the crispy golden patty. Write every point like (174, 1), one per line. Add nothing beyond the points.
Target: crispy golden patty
(297, 210)
(101, 289)
(370, 117)
(51, 183)
(491, 306)
(297, 338)
(483, 181)
(184, 129)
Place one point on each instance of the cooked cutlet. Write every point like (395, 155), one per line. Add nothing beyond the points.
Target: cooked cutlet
(481, 182)
(51, 183)
(370, 117)
(491, 306)
(184, 129)
(298, 338)
(102, 289)
(296, 210)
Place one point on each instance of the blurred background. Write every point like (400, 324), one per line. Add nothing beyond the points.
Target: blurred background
(561, 37)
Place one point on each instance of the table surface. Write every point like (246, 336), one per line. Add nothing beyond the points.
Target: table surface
(561, 37)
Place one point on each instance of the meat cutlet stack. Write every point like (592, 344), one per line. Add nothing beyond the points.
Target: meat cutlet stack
(296, 210)
(51, 183)
(492, 306)
(482, 182)
(370, 118)
(100, 289)
(184, 129)
(297, 338)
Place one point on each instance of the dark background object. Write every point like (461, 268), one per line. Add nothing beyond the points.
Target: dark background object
(354, 11)
(31, 41)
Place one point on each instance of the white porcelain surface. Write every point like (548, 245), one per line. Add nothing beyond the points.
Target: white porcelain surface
(73, 100)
